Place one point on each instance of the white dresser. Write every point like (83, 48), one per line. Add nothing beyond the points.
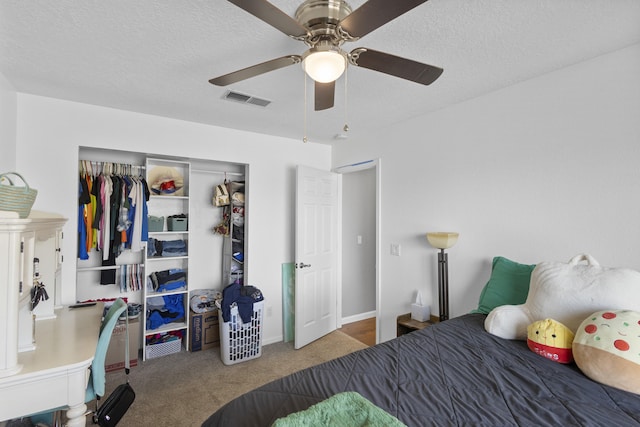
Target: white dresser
(21, 241)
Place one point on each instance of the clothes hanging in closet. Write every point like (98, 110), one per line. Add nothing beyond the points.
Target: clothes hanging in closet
(112, 212)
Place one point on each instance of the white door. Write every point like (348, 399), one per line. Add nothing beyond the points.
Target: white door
(316, 257)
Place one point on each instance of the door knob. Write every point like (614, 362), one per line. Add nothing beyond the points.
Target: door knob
(303, 265)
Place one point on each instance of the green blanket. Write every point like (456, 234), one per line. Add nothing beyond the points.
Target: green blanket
(348, 409)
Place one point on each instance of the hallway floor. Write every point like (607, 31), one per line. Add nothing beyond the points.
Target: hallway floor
(363, 330)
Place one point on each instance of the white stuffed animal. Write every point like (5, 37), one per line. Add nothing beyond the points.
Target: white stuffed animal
(568, 293)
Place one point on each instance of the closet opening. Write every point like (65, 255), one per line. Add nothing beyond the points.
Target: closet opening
(129, 248)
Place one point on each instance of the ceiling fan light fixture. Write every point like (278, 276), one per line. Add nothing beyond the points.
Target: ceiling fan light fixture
(324, 26)
(324, 65)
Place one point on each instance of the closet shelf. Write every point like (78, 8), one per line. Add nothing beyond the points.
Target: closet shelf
(166, 293)
(106, 267)
(164, 258)
(159, 197)
(160, 233)
(174, 326)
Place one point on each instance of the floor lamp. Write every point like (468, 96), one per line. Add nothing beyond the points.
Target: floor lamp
(442, 241)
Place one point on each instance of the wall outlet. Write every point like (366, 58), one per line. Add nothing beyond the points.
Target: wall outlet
(395, 249)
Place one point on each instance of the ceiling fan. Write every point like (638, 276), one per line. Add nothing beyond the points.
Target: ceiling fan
(324, 25)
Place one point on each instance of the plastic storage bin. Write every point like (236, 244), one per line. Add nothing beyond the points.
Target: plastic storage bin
(239, 341)
(177, 224)
(156, 223)
(158, 345)
(164, 348)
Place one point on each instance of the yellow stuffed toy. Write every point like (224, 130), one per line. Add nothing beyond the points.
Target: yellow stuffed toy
(551, 339)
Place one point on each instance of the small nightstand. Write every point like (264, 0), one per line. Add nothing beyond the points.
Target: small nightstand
(406, 324)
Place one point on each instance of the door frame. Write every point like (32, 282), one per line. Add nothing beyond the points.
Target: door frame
(350, 168)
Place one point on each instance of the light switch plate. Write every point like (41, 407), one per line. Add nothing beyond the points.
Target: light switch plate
(395, 249)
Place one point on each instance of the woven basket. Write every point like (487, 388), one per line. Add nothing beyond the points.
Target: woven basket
(16, 199)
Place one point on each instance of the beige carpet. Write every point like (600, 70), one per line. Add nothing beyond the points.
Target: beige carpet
(183, 389)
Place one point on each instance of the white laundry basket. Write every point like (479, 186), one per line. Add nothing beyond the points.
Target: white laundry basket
(241, 341)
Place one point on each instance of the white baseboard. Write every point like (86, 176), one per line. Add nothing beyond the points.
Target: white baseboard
(273, 340)
(345, 320)
(358, 317)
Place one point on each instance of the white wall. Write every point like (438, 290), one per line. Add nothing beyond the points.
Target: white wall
(51, 131)
(8, 107)
(542, 170)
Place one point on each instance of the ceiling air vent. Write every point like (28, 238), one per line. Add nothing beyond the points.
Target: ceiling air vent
(245, 99)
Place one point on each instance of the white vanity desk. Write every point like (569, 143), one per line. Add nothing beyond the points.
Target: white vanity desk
(55, 373)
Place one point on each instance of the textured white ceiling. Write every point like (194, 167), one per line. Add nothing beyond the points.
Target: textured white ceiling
(156, 57)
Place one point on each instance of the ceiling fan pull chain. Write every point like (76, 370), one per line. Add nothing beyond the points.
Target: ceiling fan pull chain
(304, 138)
(346, 111)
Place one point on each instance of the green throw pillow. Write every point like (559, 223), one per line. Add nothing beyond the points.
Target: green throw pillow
(508, 285)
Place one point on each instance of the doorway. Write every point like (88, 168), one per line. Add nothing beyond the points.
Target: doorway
(359, 301)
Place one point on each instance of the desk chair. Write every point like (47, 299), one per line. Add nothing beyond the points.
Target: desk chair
(98, 376)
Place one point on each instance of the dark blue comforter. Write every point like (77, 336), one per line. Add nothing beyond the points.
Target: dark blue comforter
(450, 374)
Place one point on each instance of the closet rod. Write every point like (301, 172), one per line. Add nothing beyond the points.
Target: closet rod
(114, 163)
(96, 167)
(217, 172)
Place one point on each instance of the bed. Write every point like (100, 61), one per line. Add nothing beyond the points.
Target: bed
(451, 374)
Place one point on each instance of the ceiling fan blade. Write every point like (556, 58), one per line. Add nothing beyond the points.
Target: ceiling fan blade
(395, 66)
(273, 16)
(256, 70)
(324, 95)
(374, 14)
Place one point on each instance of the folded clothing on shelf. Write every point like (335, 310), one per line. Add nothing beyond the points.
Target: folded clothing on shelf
(167, 280)
(166, 248)
(164, 309)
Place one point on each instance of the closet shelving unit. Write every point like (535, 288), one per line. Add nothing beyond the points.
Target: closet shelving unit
(204, 264)
(166, 205)
(233, 265)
